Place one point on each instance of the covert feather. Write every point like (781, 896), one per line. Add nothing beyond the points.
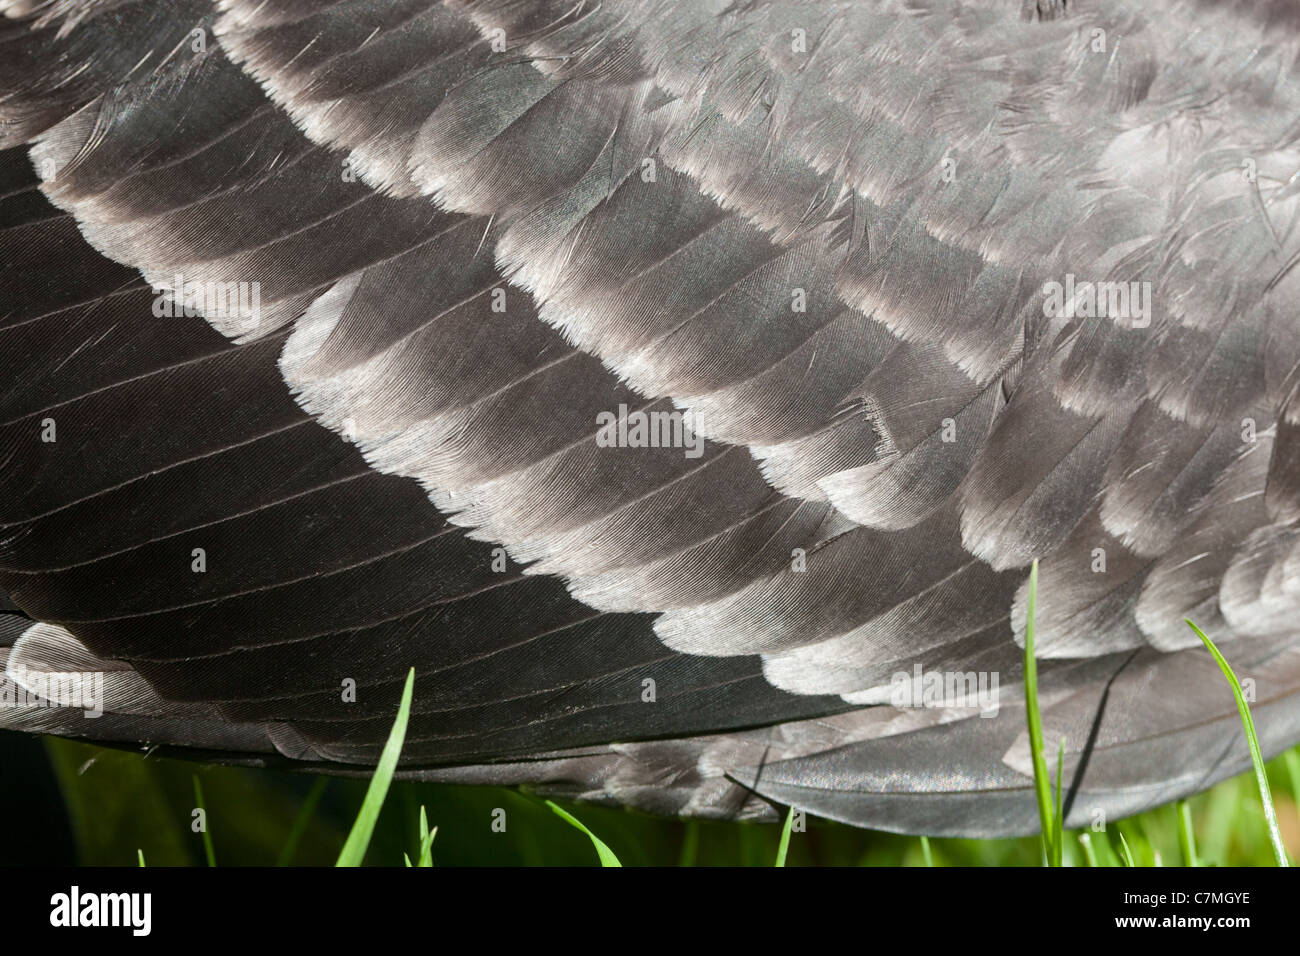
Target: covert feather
(312, 312)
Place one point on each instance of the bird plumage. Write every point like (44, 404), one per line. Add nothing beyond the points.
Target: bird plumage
(826, 232)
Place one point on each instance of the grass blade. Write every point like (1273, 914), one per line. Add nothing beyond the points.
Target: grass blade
(208, 850)
(1058, 819)
(426, 840)
(690, 844)
(140, 856)
(1291, 760)
(1256, 758)
(1186, 835)
(607, 857)
(784, 846)
(354, 849)
(1089, 854)
(1125, 854)
(1042, 785)
(301, 822)
(926, 852)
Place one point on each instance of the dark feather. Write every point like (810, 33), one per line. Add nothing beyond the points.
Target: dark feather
(825, 231)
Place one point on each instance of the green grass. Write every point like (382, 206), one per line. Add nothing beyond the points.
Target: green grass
(1042, 785)
(1186, 833)
(209, 853)
(301, 822)
(1051, 818)
(603, 852)
(1050, 814)
(1252, 740)
(354, 850)
(1089, 854)
(783, 848)
(119, 803)
(424, 856)
(258, 810)
(426, 840)
(1125, 854)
